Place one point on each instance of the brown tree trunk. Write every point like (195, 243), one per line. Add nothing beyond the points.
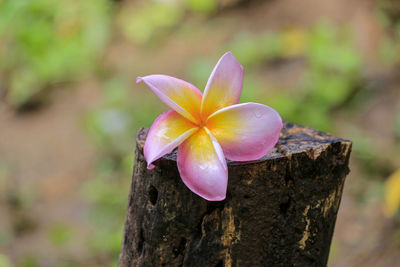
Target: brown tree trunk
(279, 210)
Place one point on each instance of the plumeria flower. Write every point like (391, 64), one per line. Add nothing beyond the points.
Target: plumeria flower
(208, 127)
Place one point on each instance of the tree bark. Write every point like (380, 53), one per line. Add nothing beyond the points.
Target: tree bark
(280, 210)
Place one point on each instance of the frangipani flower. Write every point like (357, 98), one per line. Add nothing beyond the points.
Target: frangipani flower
(207, 128)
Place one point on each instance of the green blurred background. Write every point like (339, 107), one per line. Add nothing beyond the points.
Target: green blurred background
(70, 109)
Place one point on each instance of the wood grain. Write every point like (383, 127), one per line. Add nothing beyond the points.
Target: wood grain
(280, 210)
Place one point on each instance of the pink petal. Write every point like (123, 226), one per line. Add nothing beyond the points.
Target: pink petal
(224, 85)
(181, 96)
(168, 131)
(202, 166)
(246, 131)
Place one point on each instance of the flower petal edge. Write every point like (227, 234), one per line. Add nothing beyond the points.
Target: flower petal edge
(168, 131)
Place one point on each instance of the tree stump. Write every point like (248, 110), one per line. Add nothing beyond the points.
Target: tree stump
(279, 210)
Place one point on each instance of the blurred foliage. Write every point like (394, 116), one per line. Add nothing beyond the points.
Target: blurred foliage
(364, 148)
(398, 237)
(4, 261)
(44, 42)
(112, 126)
(198, 71)
(108, 192)
(151, 18)
(392, 195)
(60, 234)
(392, 200)
(328, 81)
(28, 260)
(202, 6)
(117, 116)
(253, 49)
(390, 11)
(109, 124)
(145, 22)
(389, 16)
(389, 51)
(397, 123)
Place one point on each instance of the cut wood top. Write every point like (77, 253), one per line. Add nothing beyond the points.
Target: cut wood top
(294, 139)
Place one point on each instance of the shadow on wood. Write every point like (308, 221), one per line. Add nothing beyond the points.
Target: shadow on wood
(279, 210)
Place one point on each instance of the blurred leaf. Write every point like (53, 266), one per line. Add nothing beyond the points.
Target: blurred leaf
(392, 194)
(6, 236)
(202, 6)
(68, 263)
(316, 118)
(373, 193)
(29, 260)
(398, 237)
(127, 163)
(334, 72)
(332, 48)
(108, 195)
(272, 46)
(108, 240)
(382, 16)
(20, 81)
(389, 51)
(4, 173)
(397, 127)
(245, 47)
(4, 261)
(141, 23)
(364, 147)
(329, 88)
(44, 42)
(198, 72)
(112, 123)
(294, 42)
(251, 88)
(253, 49)
(285, 103)
(60, 234)
(333, 251)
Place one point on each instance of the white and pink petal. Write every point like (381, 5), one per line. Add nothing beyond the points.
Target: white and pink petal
(224, 85)
(179, 95)
(245, 131)
(202, 166)
(168, 131)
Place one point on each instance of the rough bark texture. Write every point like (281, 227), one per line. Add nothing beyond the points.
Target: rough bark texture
(279, 210)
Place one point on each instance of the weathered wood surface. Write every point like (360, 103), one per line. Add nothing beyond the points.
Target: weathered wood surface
(279, 210)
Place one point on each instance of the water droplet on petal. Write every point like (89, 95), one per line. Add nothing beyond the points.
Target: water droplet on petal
(258, 114)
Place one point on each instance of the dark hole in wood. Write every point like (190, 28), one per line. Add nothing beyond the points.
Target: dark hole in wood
(288, 177)
(153, 195)
(140, 242)
(283, 207)
(220, 264)
(181, 247)
(246, 196)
